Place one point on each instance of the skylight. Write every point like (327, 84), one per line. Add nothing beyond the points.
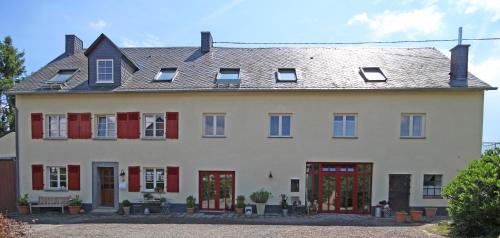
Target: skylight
(62, 76)
(229, 74)
(372, 74)
(166, 74)
(287, 75)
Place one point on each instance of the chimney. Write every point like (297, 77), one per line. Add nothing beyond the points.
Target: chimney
(73, 45)
(459, 63)
(206, 41)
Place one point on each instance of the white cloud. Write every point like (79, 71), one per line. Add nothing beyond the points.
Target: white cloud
(98, 25)
(487, 71)
(471, 6)
(148, 41)
(422, 21)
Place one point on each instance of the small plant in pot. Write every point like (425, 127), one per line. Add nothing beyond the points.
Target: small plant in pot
(401, 216)
(190, 203)
(240, 204)
(126, 207)
(416, 215)
(74, 205)
(284, 204)
(260, 199)
(22, 204)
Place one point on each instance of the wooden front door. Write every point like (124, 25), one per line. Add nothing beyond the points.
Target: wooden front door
(399, 192)
(107, 180)
(216, 190)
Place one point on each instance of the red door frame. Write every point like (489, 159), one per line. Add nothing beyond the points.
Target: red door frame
(216, 174)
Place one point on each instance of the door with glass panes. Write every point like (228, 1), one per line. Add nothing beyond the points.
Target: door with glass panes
(216, 190)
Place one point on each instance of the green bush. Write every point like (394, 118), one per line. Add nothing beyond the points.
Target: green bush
(23, 201)
(240, 201)
(190, 201)
(126, 203)
(474, 198)
(260, 196)
(76, 201)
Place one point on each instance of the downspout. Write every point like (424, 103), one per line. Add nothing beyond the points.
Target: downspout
(18, 192)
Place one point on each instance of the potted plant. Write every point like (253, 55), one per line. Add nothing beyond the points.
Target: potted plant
(240, 204)
(22, 204)
(401, 216)
(190, 203)
(260, 198)
(416, 215)
(74, 205)
(126, 207)
(430, 211)
(284, 204)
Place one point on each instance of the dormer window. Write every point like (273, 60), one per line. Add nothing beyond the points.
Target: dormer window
(62, 76)
(166, 74)
(104, 71)
(228, 74)
(286, 75)
(372, 74)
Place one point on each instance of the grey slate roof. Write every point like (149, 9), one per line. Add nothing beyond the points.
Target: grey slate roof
(317, 69)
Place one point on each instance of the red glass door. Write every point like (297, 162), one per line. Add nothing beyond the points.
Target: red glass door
(216, 190)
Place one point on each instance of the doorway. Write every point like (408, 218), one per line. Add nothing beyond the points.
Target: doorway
(216, 190)
(107, 185)
(399, 192)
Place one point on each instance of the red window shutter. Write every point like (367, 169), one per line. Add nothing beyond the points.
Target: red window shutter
(36, 125)
(73, 125)
(134, 179)
(85, 126)
(37, 176)
(122, 125)
(172, 125)
(133, 125)
(173, 179)
(74, 177)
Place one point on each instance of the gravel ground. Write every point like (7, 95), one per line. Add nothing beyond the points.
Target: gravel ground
(222, 230)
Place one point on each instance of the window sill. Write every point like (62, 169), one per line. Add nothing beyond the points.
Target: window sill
(55, 138)
(213, 137)
(153, 192)
(281, 137)
(104, 138)
(412, 137)
(345, 137)
(103, 82)
(153, 138)
(55, 190)
(432, 197)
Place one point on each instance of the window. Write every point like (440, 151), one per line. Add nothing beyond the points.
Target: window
(56, 126)
(213, 125)
(229, 74)
(105, 71)
(154, 125)
(154, 179)
(62, 76)
(166, 74)
(372, 74)
(280, 125)
(294, 185)
(412, 125)
(432, 185)
(57, 177)
(106, 126)
(344, 125)
(287, 75)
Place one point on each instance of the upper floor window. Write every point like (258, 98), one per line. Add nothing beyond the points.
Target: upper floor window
(154, 179)
(166, 74)
(62, 76)
(280, 125)
(213, 125)
(154, 125)
(106, 126)
(372, 74)
(105, 71)
(287, 75)
(229, 74)
(412, 125)
(344, 125)
(432, 185)
(57, 178)
(57, 126)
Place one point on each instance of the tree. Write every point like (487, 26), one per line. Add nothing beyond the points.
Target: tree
(11, 70)
(474, 198)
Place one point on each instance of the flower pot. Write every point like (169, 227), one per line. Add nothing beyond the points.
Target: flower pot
(416, 215)
(430, 211)
(126, 211)
(23, 209)
(73, 210)
(285, 212)
(261, 208)
(239, 210)
(190, 210)
(400, 216)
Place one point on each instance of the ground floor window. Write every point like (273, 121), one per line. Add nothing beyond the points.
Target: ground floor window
(294, 185)
(57, 177)
(432, 186)
(154, 179)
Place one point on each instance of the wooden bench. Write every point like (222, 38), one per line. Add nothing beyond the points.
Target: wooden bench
(51, 202)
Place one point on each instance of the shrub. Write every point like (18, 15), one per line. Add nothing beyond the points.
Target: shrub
(76, 201)
(10, 228)
(260, 196)
(474, 198)
(126, 203)
(163, 199)
(240, 201)
(23, 201)
(284, 201)
(190, 201)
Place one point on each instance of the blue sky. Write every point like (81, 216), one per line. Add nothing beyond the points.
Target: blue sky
(38, 27)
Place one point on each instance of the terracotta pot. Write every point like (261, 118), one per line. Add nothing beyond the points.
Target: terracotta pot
(190, 210)
(430, 211)
(23, 210)
(400, 216)
(73, 210)
(239, 210)
(416, 215)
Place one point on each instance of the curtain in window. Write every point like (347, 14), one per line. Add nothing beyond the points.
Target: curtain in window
(337, 126)
(350, 125)
(274, 125)
(285, 125)
(417, 126)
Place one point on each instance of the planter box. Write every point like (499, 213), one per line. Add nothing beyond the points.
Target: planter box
(73, 210)
(401, 216)
(416, 215)
(23, 210)
(430, 211)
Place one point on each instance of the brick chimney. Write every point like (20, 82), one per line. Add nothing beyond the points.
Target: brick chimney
(73, 45)
(206, 42)
(459, 63)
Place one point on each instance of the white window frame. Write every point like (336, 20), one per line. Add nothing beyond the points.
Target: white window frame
(440, 196)
(59, 180)
(344, 125)
(59, 135)
(154, 136)
(214, 130)
(280, 125)
(222, 70)
(410, 125)
(112, 71)
(155, 178)
(157, 77)
(107, 136)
